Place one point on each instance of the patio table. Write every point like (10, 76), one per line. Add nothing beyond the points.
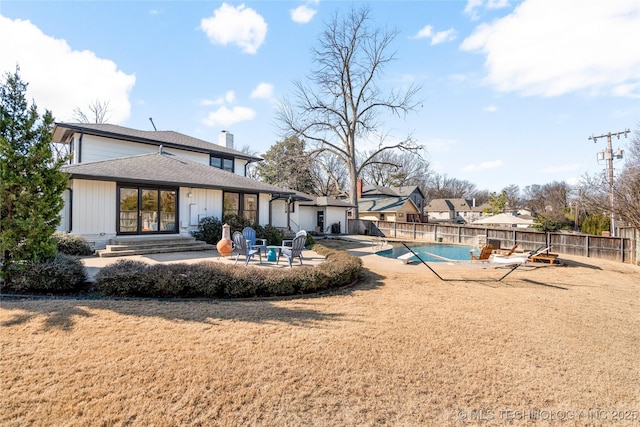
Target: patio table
(272, 252)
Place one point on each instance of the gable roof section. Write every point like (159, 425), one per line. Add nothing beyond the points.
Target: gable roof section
(372, 190)
(167, 169)
(454, 205)
(439, 205)
(384, 204)
(378, 190)
(312, 200)
(63, 132)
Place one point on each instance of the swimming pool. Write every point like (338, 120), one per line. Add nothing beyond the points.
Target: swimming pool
(453, 252)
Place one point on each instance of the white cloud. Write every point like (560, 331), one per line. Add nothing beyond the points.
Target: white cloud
(443, 36)
(490, 109)
(493, 164)
(61, 79)
(438, 37)
(229, 97)
(262, 91)
(425, 33)
(553, 48)
(240, 25)
(302, 14)
(473, 5)
(224, 116)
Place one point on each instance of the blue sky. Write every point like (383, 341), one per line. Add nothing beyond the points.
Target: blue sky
(511, 90)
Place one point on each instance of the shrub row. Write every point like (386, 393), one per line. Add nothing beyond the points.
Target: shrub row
(128, 278)
(63, 274)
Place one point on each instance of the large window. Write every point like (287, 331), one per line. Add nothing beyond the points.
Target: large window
(147, 210)
(241, 204)
(224, 163)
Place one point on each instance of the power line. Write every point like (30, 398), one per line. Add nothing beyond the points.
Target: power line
(609, 155)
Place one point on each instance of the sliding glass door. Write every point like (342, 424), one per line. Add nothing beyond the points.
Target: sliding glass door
(144, 210)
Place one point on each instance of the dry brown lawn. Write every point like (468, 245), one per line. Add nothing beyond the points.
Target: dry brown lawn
(549, 346)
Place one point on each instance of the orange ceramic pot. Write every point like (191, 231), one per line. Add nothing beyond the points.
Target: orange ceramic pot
(225, 245)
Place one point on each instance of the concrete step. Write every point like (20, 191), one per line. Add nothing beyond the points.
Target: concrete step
(142, 245)
(157, 250)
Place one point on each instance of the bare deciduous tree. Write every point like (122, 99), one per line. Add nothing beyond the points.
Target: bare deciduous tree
(98, 113)
(595, 190)
(341, 106)
(397, 169)
(329, 175)
(446, 187)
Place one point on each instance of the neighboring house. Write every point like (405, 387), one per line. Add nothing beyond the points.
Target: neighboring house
(131, 182)
(398, 204)
(395, 209)
(454, 210)
(301, 211)
(413, 192)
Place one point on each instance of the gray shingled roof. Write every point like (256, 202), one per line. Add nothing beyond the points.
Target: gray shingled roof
(381, 204)
(312, 200)
(378, 190)
(64, 131)
(439, 205)
(167, 169)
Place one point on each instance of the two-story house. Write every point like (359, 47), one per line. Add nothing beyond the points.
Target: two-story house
(131, 182)
(398, 204)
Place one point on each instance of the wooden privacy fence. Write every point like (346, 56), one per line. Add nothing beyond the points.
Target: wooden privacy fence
(621, 249)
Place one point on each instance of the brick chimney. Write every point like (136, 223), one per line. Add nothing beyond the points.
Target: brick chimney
(359, 188)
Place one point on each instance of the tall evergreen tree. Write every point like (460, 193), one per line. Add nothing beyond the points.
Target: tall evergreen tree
(286, 164)
(31, 183)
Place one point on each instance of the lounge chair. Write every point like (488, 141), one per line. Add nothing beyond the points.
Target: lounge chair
(485, 253)
(509, 252)
(241, 245)
(546, 257)
(293, 251)
(255, 242)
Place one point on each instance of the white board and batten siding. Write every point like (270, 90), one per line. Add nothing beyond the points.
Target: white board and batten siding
(334, 215)
(94, 211)
(202, 203)
(96, 148)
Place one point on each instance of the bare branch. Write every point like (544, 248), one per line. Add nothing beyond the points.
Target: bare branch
(341, 104)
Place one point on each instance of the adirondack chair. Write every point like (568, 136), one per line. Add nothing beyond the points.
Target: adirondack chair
(289, 242)
(255, 242)
(242, 247)
(485, 253)
(293, 251)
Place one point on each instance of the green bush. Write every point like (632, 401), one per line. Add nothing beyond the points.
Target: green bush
(72, 244)
(310, 241)
(595, 224)
(62, 274)
(209, 230)
(272, 234)
(237, 223)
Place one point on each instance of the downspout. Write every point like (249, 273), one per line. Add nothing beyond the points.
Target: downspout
(70, 211)
(289, 213)
(80, 148)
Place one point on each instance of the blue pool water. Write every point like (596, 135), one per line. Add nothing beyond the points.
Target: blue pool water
(453, 252)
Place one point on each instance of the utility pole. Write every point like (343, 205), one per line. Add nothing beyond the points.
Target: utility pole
(609, 155)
